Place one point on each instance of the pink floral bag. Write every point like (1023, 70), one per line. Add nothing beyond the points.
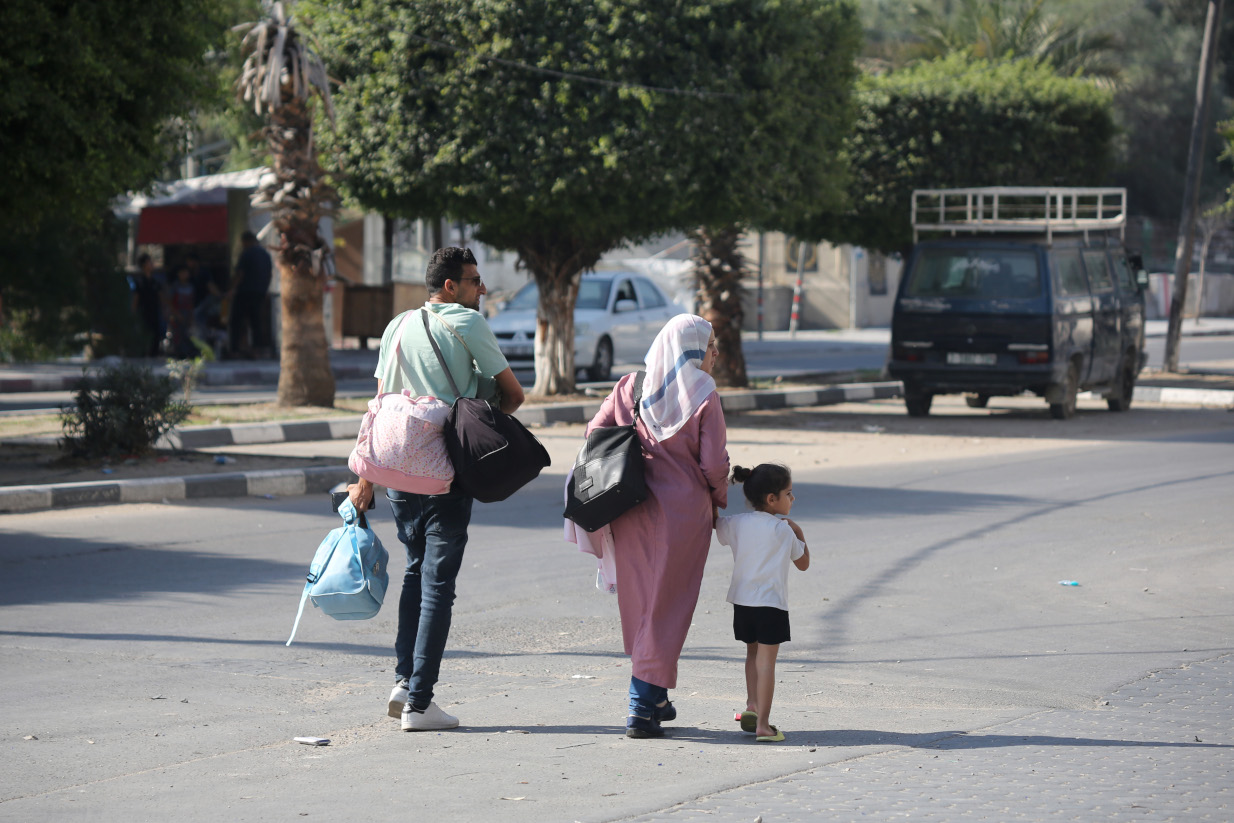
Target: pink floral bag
(401, 444)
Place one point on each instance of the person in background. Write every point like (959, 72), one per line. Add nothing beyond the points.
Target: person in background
(209, 285)
(180, 304)
(147, 304)
(247, 295)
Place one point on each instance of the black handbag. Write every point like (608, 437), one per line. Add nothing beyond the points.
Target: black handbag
(493, 453)
(608, 478)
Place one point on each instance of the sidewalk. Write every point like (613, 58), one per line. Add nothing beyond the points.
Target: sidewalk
(355, 364)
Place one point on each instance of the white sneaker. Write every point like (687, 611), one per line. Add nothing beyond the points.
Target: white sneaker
(398, 698)
(431, 719)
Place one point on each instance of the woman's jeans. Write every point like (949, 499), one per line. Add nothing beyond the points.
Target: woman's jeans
(644, 697)
(433, 529)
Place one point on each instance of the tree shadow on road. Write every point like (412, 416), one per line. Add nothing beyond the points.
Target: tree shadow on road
(42, 570)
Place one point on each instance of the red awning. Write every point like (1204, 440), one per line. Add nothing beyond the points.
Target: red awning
(165, 225)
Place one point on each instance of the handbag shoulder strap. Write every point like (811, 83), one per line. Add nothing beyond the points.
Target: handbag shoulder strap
(398, 345)
(424, 313)
(638, 391)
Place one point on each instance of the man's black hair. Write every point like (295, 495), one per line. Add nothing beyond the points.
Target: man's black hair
(447, 264)
(248, 237)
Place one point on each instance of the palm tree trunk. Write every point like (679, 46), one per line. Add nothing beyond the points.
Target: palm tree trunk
(718, 267)
(298, 195)
(305, 378)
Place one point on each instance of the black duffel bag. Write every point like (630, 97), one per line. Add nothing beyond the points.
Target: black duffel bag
(493, 453)
(608, 478)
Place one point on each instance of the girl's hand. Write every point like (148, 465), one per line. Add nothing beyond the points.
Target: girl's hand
(796, 529)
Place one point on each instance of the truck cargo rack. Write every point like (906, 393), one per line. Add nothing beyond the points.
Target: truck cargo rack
(1038, 210)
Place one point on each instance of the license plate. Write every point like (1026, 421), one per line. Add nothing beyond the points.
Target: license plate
(965, 358)
(518, 351)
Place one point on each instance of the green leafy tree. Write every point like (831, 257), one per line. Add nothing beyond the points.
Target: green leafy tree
(1009, 29)
(89, 93)
(93, 96)
(959, 122)
(563, 129)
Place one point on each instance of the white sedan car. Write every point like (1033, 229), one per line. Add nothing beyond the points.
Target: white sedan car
(617, 316)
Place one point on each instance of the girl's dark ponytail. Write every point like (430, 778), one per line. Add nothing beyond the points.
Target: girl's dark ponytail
(762, 480)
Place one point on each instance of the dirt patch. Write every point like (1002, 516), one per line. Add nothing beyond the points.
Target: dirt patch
(37, 464)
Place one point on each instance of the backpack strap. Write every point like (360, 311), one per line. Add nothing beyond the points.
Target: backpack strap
(299, 612)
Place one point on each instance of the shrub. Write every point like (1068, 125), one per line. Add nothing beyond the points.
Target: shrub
(121, 411)
(958, 122)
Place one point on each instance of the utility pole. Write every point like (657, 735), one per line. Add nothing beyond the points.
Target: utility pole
(1191, 190)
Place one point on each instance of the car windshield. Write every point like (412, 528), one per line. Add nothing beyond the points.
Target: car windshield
(985, 273)
(592, 294)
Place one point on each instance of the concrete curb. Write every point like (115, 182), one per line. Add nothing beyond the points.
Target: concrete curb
(305, 481)
(204, 437)
(1208, 398)
(276, 482)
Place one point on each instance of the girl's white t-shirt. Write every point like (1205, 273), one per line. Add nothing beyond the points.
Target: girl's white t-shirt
(763, 545)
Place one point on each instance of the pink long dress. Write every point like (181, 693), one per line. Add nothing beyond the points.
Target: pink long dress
(661, 545)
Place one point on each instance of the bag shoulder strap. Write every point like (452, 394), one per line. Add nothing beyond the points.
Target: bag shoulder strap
(398, 345)
(453, 330)
(638, 391)
(424, 313)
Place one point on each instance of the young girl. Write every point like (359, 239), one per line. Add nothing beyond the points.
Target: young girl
(763, 544)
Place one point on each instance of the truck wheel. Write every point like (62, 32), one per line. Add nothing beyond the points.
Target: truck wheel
(917, 403)
(602, 367)
(977, 401)
(1120, 398)
(1065, 409)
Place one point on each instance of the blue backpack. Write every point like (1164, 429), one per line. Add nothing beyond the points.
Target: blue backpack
(347, 579)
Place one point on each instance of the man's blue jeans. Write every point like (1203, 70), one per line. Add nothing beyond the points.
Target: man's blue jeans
(433, 529)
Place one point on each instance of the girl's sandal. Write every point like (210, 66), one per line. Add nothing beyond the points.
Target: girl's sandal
(748, 721)
(770, 738)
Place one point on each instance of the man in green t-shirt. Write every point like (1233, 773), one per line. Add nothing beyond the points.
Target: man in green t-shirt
(433, 528)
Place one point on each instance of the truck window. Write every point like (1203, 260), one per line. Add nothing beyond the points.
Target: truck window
(1098, 271)
(1070, 273)
(977, 273)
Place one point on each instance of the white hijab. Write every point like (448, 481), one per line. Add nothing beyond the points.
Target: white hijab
(675, 386)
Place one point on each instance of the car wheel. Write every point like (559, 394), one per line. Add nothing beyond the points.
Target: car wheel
(1124, 387)
(977, 401)
(602, 367)
(1065, 408)
(917, 403)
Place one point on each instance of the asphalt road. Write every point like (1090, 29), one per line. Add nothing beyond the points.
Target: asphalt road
(142, 645)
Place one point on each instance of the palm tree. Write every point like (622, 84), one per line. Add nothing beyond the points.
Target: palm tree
(280, 76)
(1000, 29)
(719, 266)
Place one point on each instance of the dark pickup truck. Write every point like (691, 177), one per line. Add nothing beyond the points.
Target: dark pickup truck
(1019, 300)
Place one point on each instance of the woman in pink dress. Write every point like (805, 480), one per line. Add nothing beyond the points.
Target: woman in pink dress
(660, 546)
